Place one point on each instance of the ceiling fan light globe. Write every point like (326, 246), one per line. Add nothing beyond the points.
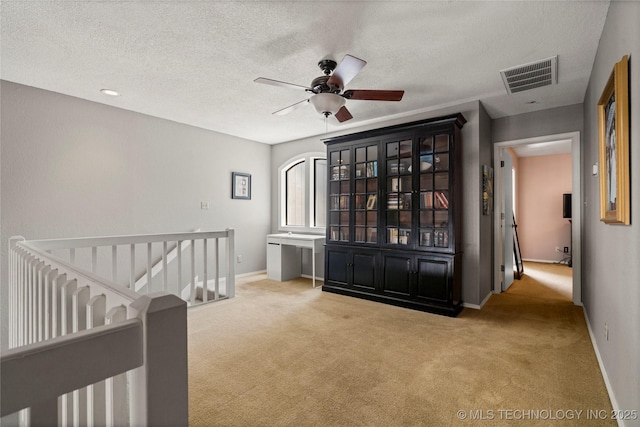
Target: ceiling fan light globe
(327, 103)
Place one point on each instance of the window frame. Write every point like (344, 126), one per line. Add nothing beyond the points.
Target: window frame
(309, 197)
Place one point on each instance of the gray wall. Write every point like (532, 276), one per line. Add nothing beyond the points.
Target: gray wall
(486, 221)
(611, 271)
(477, 145)
(539, 123)
(73, 168)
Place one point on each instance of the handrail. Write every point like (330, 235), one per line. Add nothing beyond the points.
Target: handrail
(87, 242)
(66, 267)
(136, 279)
(106, 351)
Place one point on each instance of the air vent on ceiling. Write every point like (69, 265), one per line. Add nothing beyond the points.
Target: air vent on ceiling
(530, 76)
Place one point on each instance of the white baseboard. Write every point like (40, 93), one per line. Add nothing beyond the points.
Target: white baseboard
(308, 276)
(476, 306)
(251, 273)
(607, 383)
(546, 261)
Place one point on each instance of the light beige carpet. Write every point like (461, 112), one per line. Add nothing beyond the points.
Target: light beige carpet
(284, 354)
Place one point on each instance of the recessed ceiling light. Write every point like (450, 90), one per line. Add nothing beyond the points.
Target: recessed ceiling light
(109, 92)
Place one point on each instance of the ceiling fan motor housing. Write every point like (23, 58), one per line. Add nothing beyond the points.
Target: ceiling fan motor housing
(327, 66)
(319, 85)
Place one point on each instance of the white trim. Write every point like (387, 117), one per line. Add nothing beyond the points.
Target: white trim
(476, 306)
(308, 202)
(251, 273)
(546, 261)
(607, 383)
(576, 207)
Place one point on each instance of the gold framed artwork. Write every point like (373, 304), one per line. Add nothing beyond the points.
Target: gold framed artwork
(613, 140)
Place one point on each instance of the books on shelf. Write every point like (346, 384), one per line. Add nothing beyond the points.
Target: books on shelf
(426, 200)
(372, 235)
(441, 238)
(372, 169)
(392, 236)
(425, 238)
(443, 202)
(392, 201)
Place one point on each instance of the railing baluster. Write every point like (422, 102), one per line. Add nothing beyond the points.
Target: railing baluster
(42, 272)
(205, 279)
(116, 387)
(192, 286)
(56, 305)
(179, 281)
(96, 308)
(33, 303)
(79, 301)
(217, 261)
(68, 288)
(11, 295)
(231, 266)
(164, 266)
(132, 269)
(48, 303)
(149, 268)
(20, 305)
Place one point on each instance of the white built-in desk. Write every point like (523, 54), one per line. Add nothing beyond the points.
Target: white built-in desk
(284, 255)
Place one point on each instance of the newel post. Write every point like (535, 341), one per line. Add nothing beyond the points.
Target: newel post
(231, 263)
(159, 388)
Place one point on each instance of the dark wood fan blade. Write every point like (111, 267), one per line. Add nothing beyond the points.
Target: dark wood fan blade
(345, 71)
(374, 95)
(279, 83)
(292, 107)
(343, 115)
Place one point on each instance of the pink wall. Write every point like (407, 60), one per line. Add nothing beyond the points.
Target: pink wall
(540, 183)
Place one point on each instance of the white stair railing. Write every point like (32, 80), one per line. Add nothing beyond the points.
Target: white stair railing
(159, 261)
(85, 350)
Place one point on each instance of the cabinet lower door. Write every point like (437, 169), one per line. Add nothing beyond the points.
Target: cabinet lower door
(364, 270)
(434, 279)
(396, 275)
(337, 271)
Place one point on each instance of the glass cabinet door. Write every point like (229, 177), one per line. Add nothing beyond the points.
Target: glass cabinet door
(434, 191)
(339, 195)
(398, 203)
(366, 194)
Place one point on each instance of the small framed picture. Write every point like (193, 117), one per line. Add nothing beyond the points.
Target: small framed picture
(240, 186)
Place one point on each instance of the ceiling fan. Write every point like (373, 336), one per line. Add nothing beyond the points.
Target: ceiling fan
(329, 96)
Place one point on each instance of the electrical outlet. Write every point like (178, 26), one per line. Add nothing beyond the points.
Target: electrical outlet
(606, 331)
(239, 258)
(566, 249)
(204, 205)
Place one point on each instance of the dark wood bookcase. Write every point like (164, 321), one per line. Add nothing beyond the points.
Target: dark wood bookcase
(394, 215)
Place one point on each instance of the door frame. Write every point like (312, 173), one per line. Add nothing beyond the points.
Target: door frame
(576, 207)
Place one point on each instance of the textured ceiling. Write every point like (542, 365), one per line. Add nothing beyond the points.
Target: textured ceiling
(195, 62)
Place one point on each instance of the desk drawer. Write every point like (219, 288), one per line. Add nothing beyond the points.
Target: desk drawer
(296, 242)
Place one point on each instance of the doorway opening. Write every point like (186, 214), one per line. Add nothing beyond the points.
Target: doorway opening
(504, 207)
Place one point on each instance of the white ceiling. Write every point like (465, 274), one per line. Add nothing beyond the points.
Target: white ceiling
(195, 62)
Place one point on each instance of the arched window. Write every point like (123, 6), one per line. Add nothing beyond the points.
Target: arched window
(303, 192)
